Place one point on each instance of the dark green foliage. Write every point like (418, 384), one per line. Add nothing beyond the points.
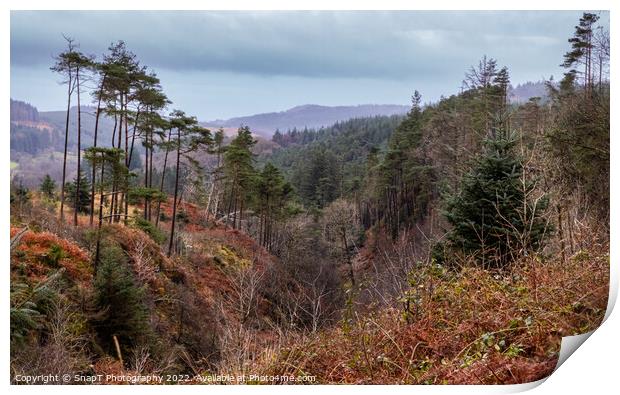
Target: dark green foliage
(182, 216)
(272, 193)
(318, 177)
(48, 187)
(83, 200)
(119, 300)
(238, 158)
(19, 199)
(438, 253)
(335, 155)
(404, 181)
(239, 173)
(138, 194)
(30, 304)
(493, 215)
(150, 229)
(580, 42)
(20, 194)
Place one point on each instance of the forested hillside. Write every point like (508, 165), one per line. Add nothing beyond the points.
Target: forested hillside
(326, 163)
(455, 244)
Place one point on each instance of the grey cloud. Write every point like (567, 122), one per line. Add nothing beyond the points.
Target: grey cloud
(387, 45)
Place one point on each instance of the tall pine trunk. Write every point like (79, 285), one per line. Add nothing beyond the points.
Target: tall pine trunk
(79, 150)
(64, 160)
(215, 174)
(92, 187)
(163, 176)
(133, 137)
(127, 161)
(100, 211)
(176, 191)
(151, 173)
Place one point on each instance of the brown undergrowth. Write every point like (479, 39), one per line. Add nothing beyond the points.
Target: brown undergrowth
(467, 327)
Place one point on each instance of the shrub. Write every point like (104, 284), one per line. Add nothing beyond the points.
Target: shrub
(147, 227)
(54, 255)
(182, 216)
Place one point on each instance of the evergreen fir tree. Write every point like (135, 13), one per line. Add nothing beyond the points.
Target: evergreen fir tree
(119, 300)
(492, 216)
(271, 194)
(83, 199)
(48, 187)
(239, 172)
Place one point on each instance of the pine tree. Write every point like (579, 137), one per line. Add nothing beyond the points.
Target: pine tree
(501, 83)
(492, 216)
(80, 202)
(119, 300)
(20, 197)
(405, 181)
(166, 145)
(278, 138)
(82, 64)
(318, 177)
(48, 187)
(190, 137)
(581, 49)
(271, 194)
(239, 171)
(65, 66)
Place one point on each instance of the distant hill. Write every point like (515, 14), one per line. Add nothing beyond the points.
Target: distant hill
(22, 111)
(26, 116)
(523, 92)
(57, 120)
(308, 116)
(37, 140)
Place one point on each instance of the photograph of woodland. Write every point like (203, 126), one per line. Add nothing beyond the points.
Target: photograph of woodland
(161, 235)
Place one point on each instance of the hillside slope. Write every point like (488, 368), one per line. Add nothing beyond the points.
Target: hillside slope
(195, 308)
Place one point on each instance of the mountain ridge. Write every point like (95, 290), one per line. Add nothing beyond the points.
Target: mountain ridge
(307, 116)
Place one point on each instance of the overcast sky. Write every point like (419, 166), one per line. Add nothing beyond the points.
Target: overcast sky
(225, 64)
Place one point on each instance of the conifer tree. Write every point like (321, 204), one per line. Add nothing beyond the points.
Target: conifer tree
(239, 171)
(190, 137)
(48, 187)
(82, 64)
(65, 66)
(119, 301)
(493, 216)
(167, 146)
(405, 180)
(271, 194)
(79, 201)
(582, 44)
